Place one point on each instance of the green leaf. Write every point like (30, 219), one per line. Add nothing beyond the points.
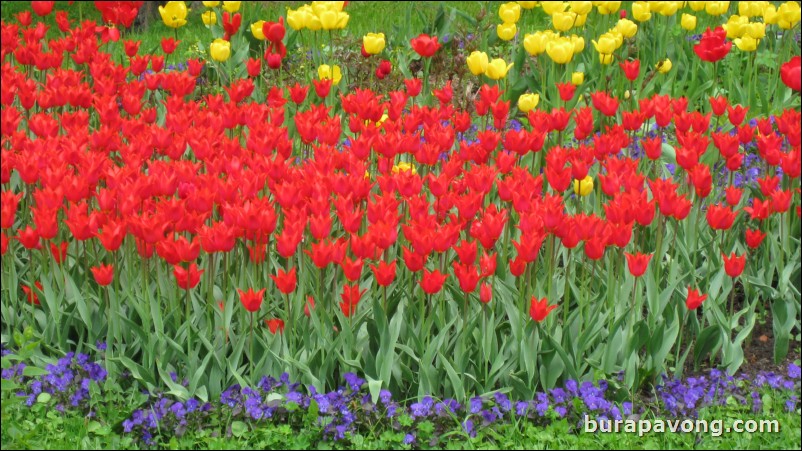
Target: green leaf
(238, 428)
(706, 342)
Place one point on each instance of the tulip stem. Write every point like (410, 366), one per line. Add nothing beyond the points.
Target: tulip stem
(188, 320)
(250, 355)
(677, 369)
(289, 320)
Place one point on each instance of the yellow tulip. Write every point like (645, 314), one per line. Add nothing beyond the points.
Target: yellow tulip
(697, 6)
(605, 58)
(174, 14)
(342, 20)
(581, 8)
(497, 69)
(755, 30)
(668, 8)
(577, 78)
(328, 20)
(580, 20)
(231, 7)
(477, 62)
(553, 7)
(606, 44)
(374, 43)
(716, 8)
(528, 101)
(404, 167)
(296, 19)
(605, 8)
(329, 72)
(563, 21)
(641, 11)
(506, 31)
(560, 50)
(535, 44)
(256, 30)
(578, 42)
(688, 22)
(745, 43)
(770, 15)
(583, 187)
(789, 15)
(210, 4)
(752, 9)
(509, 12)
(220, 50)
(209, 18)
(735, 26)
(311, 20)
(626, 27)
(527, 5)
(663, 66)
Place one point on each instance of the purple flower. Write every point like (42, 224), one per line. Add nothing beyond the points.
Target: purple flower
(794, 371)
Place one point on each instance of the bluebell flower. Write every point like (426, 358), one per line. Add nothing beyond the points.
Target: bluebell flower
(794, 371)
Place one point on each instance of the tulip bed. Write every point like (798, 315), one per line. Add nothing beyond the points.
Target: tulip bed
(496, 209)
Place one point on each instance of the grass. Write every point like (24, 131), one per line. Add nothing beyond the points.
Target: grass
(39, 427)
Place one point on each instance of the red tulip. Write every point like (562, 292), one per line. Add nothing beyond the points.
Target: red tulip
(59, 252)
(42, 8)
(631, 69)
(733, 195)
(274, 31)
(29, 238)
(539, 310)
(310, 305)
(104, 274)
(231, 24)
(720, 217)
(298, 93)
(275, 325)
(33, 298)
(254, 67)
(791, 74)
(322, 87)
(606, 104)
(485, 293)
(566, 91)
(467, 276)
(733, 265)
(352, 269)
(251, 300)
(433, 281)
(719, 105)
(694, 299)
(713, 46)
(384, 273)
(188, 278)
(414, 86)
(350, 298)
(754, 238)
(638, 263)
(286, 281)
(425, 45)
(168, 45)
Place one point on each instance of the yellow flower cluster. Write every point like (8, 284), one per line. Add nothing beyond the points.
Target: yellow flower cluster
(786, 16)
(479, 64)
(318, 16)
(611, 41)
(509, 13)
(333, 73)
(403, 166)
(561, 49)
